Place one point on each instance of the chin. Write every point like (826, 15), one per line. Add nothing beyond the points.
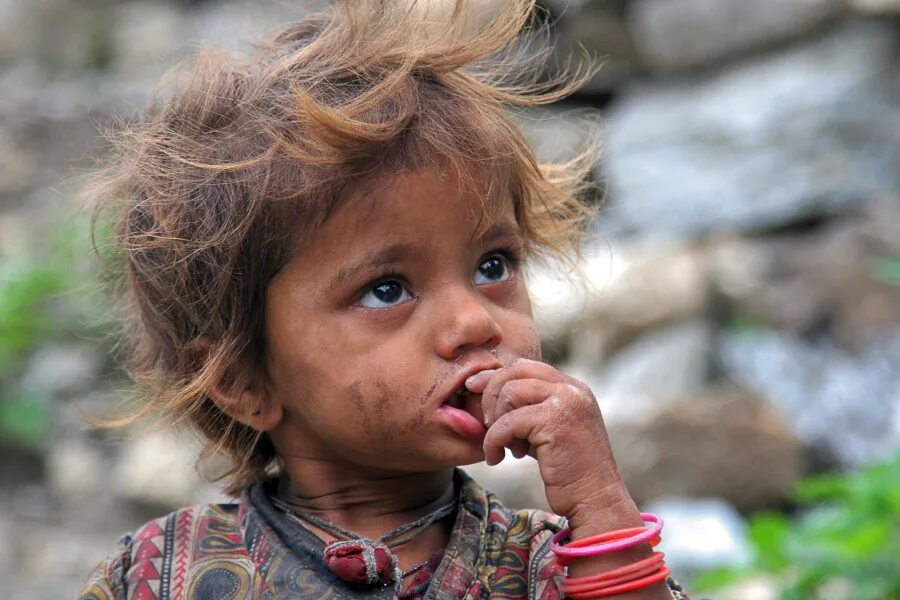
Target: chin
(466, 456)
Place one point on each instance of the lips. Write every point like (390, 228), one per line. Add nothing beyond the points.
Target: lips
(461, 408)
(457, 392)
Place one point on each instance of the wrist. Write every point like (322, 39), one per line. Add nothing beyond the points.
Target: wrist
(613, 509)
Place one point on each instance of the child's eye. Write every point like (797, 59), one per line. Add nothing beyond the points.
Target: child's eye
(385, 294)
(493, 269)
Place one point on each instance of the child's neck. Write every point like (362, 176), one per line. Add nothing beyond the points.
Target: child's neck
(366, 501)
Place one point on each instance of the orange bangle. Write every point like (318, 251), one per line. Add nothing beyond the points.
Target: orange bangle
(601, 591)
(649, 570)
(619, 575)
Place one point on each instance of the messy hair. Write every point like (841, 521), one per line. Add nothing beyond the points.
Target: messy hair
(239, 159)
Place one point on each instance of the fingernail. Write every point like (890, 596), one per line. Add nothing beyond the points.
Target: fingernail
(477, 376)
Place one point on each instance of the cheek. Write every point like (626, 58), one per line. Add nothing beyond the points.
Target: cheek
(522, 338)
(532, 344)
(385, 411)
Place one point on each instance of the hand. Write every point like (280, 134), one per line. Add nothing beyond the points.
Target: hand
(532, 408)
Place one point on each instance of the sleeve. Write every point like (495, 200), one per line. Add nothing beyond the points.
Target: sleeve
(545, 575)
(107, 580)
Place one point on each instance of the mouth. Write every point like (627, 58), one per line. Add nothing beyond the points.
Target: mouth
(462, 408)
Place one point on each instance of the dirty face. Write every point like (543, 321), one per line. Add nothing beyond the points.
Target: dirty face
(373, 327)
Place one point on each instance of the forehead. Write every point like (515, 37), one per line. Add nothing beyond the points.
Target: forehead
(404, 204)
(423, 215)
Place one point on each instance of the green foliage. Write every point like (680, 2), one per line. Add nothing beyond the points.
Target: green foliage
(742, 322)
(24, 418)
(887, 270)
(45, 297)
(847, 537)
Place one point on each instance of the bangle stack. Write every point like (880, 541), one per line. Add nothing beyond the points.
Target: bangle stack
(631, 577)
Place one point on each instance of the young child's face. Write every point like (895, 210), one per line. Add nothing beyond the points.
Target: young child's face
(373, 326)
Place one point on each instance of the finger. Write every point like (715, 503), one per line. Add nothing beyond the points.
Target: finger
(521, 368)
(520, 448)
(524, 424)
(515, 394)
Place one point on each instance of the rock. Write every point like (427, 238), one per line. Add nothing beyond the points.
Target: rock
(517, 482)
(17, 167)
(159, 467)
(234, 24)
(662, 366)
(32, 501)
(554, 134)
(147, 37)
(823, 282)
(13, 37)
(719, 442)
(615, 295)
(701, 534)
(58, 369)
(6, 540)
(784, 138)
(876, 7)
(689, 33)
(76, 469)
(846, 405)
(598, 28)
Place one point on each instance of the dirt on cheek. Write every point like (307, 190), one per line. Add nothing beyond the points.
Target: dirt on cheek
(382, 414)
(359, 403)
(532, 347)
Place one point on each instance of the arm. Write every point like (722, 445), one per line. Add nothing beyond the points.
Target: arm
(532, 408)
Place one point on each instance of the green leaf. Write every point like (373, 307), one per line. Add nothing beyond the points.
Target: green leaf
(768, 534)
(25, 418)
(716, 579)
(821, 488)
(887, 270)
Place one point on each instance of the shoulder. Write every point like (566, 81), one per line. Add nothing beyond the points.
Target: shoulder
(161, 552)
(514, 559)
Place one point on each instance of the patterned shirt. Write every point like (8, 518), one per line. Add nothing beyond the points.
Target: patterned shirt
(248, 550)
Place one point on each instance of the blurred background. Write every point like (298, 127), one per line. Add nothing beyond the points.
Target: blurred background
(738, 316)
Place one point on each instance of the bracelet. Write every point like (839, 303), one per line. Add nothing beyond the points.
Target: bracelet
(602, 585)
(598, 544)
(619, 575)
(601, 591)
(564, 561)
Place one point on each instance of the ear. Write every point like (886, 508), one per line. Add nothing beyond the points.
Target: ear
(242, 397)
(248, 406)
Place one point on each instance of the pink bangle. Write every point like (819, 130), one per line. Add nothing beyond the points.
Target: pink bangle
(606, 547)
(620, 534)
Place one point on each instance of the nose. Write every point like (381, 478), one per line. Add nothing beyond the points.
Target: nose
(466, 323)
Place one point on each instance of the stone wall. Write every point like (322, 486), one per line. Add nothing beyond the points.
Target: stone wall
(737, 313)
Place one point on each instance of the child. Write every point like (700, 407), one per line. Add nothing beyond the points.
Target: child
(323, 251)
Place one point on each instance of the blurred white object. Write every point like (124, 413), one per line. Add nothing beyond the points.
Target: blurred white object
(820, 385)
(517, 482)
(76, 469)
(700, 534)
(159, 467)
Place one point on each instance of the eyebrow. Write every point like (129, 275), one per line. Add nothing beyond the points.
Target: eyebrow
(388, 255)
(395, 253)
(499, 230)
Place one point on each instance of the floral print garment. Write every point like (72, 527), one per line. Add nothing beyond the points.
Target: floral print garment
(249, 550)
